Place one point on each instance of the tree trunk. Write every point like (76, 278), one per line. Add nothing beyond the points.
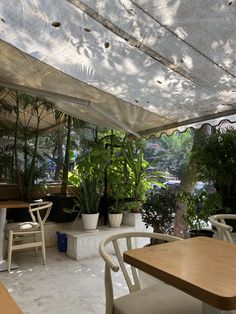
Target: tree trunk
(33, 161)
(187, 184)
(59, 162)
(64, 183)
(18, 176)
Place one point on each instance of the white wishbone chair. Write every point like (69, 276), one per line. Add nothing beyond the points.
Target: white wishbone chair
(158, 299)
(32, 230)
(224, 230)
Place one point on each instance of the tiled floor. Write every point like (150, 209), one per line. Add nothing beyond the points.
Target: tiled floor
(64, 286)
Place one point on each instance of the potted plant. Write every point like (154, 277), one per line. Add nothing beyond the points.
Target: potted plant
(87, 200)
(88, 178)
(199, 207)
(115, 214)
(158, 211)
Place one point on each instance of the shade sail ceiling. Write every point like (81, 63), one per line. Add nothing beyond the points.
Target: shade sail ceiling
(145, 66)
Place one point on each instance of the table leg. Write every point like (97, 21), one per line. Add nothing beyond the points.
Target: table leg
(208, 309)
(3, 263)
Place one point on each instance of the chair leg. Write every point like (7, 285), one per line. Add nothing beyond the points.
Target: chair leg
(5, 247)
(10, 241)
(36, 248)
(43, 248)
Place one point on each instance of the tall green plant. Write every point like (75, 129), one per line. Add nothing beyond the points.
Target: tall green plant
(159, 209)
(73, 125)
(93, 163)
(214, 159)
(120, 179)
(25, 137)
(200, 207)
(140, 169)
(88, 197)
(88, 178)
(119, 175)
(172, 152)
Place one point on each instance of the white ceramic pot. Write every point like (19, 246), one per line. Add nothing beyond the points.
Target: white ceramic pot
(115, 220)
(90, 221)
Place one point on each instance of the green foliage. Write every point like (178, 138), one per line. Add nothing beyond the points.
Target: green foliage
(117, 208)
(88, 177)
(141, 175)
(87, 197)
(214, 158)
(119, 177)
(172, 152)
(75, 177)
(159, 210)
(27, 163)
(93, 162)
(133, 206)
(199, 207)
(6, 161)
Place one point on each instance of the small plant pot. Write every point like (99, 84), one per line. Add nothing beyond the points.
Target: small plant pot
(201, 233)
(115, 220)
(90, 221)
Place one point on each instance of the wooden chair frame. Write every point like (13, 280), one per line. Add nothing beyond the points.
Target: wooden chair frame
(35, 210)
(133, 280)
(224, 230)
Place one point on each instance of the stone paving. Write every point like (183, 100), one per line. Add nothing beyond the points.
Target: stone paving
(64, 286)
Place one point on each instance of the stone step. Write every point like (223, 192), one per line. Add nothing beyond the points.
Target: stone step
(82, 244)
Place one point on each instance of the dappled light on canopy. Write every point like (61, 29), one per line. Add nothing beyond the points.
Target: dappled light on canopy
(143, 66)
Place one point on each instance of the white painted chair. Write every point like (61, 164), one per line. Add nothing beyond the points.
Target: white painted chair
(33, 230)
(158, 299)
(224, 230)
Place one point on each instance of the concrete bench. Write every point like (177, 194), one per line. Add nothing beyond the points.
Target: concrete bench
(82, 245)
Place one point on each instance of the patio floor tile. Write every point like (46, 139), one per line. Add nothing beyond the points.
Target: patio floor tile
(64, 286)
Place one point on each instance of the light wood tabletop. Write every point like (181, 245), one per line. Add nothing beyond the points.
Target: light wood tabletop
(7, 304)
(203, 267)
(13, 204)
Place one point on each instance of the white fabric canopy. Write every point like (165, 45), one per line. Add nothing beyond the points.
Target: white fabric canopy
(145, 66)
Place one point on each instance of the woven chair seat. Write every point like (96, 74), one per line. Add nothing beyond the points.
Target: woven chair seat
(23, 226)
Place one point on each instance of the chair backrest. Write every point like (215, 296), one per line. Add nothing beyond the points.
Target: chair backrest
(42, 211)
(224, 230)
(122, 242)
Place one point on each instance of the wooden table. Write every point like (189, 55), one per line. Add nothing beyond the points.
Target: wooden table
(3, 210)
(202, 267)
(7, 304)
